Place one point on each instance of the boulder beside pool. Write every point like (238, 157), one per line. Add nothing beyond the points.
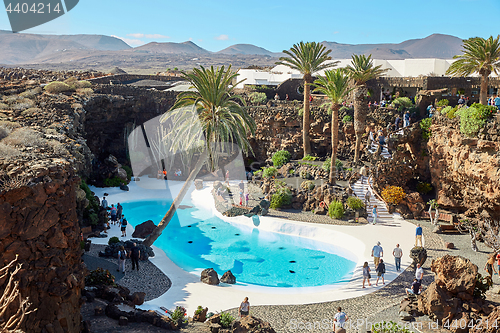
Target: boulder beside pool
(144, 229)
(228, 277)
(209, 276)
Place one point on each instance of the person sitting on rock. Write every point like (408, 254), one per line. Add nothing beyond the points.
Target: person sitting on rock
(416, 288)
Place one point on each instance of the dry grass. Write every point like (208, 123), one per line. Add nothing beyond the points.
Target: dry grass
(57, 147)
(23, 104)
(31, 93)
(24, 137)
(31, 112)
(9, 124)
(4, 132)
(84, 91)
(7, 152)
(4, 106)
(9, 183)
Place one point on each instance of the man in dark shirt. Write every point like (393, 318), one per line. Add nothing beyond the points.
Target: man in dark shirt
(135, 254)
(397, 122)
(415, 289)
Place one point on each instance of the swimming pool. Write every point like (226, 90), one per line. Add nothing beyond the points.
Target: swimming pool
(195, 240)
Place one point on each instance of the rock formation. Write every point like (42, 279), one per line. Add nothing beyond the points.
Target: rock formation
(465, 171)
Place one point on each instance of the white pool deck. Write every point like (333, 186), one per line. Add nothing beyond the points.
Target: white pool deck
(188, 291)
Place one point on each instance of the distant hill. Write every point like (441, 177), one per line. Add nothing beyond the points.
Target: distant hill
(177, 48)
(19, 48)
(247, 49)
(434, 46)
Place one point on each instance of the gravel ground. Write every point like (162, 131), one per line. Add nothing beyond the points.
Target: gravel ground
(382, 305)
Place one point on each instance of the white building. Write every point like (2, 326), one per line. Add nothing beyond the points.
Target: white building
(397, 68)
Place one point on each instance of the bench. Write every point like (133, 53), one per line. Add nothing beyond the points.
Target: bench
(442, 216)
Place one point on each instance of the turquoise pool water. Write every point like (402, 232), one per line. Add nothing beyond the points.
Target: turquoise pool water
(257, 257)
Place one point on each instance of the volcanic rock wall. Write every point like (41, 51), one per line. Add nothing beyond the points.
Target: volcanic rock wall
(38, 222)
(279, 127)
(116, 110)
(466, 171)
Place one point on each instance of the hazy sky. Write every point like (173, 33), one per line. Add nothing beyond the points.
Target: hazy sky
(274, 24)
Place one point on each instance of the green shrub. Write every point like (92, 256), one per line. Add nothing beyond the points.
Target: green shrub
(269, 172)
(84, 91)
(128, 170)
(258, 97)
(443, 102)
(90, 213)
(423, 187)
(474, 118)
(482, 286)
(113, 182)
(347, 119)
(344, 109)
(328, 161)
(309, 158)
(280, 158)
(404, 102)
(446, 109)
(425, 125)
(113, 240)
(226, 319)
(178, 314)
(57, 87)
(304, 174)
(198, 310)
(336, 210)
(83, 84)
(282, 197)
(99, 276)
(355, 203)
(308, 185)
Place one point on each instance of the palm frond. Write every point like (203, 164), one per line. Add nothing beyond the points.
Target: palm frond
(479, 55)
(362, 70)
(308, 58)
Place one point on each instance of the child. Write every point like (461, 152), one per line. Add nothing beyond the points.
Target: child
(375, 213)
(247, 198)
(241, 197)
(380, 271)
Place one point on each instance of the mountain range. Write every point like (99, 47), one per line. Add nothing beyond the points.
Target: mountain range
(19, 48)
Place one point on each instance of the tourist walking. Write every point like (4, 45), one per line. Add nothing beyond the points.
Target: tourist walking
(366, 274)
(489, 267)
(124, 226)
(339, 320)
(419, 273)
(247, 198)
(241, 197)
(375, 214)
(406, 120)
(122, 256)
(113, 214)
(380, 271)
(397, 253)
(418, 235)
(416, 288)
(135, 254)
(397, 122)
(104, 203)
(119, 212)
(244, 308)
(497, 101)
(227, 176)
(364, 173)
(276, 97)
(368, 195)
(498, 263)
(377, 253)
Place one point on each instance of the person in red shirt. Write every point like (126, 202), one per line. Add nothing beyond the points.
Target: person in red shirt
(310, 98)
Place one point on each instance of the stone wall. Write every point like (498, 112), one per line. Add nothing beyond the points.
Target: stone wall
(466, 171)
(38, 222)
(279, 127)
(129, 78)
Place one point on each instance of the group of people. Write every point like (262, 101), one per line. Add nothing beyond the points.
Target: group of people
(495, 101)
(277, 97)
(490, 264)
(244, 196)
(115, 216)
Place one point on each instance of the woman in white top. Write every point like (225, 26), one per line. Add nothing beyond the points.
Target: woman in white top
(244, 309)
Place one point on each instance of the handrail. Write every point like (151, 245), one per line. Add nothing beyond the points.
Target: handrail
(376, 193)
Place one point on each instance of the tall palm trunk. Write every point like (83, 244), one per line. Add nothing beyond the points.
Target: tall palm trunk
(177, 201)
(306, 123)
(360, 111)
(335, 142)
(483, 92)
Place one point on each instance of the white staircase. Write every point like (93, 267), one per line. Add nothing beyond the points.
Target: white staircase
(384, 217)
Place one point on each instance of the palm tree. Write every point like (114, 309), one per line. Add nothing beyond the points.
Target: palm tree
(480, 56)
(222, 122)
(335, 85)
(308, 58)
(361, 71)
